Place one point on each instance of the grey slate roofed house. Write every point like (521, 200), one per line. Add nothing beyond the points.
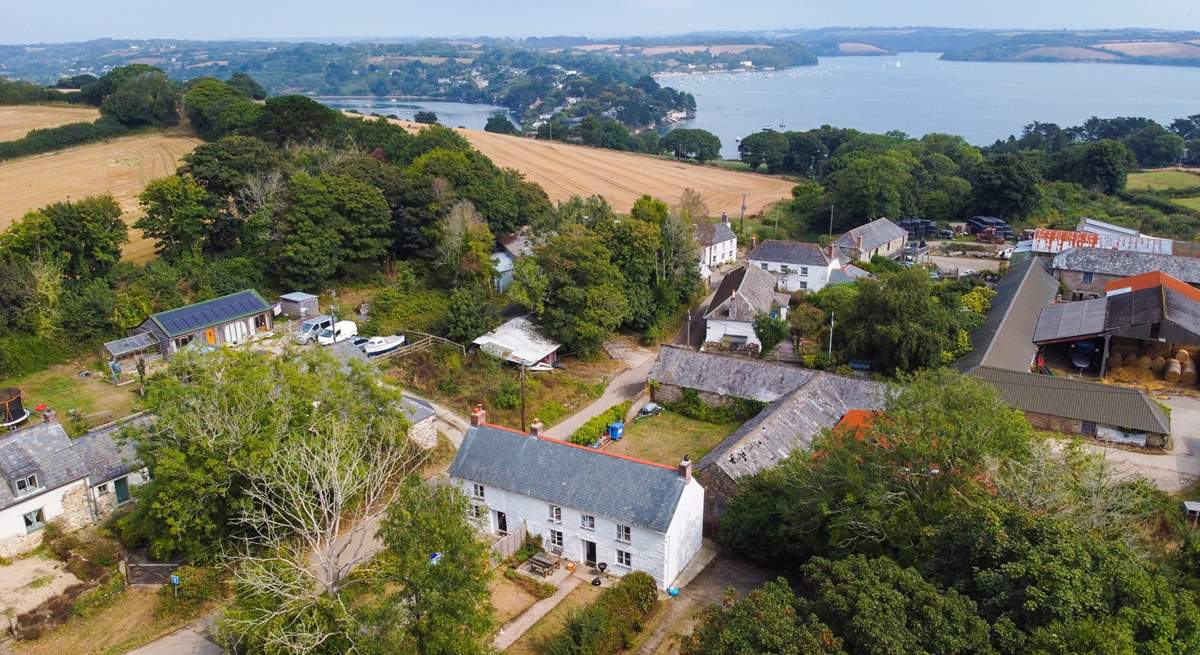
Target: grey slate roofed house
(710, 234)
(105, 455)
(43, 450)
(1121, 263)
(744, 294)
(846, 275)
(1005, 340)
(735, 377)
(795, 253)
(865, 239)
(564, 474)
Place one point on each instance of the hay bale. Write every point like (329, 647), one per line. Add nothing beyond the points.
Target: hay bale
(1144, 362)
(1158, 364)
(1188, 374)
(1183, 355)
(1174, 370)
(1158, 349)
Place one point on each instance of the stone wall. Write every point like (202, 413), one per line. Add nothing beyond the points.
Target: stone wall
(1074, 282)
(68, 506)
(424, 433)
(1054, 423)
(719, 488)
(670, 393)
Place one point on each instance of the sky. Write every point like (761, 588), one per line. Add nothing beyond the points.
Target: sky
(33, 21)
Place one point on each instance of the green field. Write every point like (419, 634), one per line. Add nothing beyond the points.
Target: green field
(1161, 180)
(666, 438)
(1190, 203)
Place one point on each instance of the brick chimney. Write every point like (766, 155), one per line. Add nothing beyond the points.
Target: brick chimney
(685, 469)
(725, 217)
(478, 416)
(858, 242)
(537, 427)
(829, 251)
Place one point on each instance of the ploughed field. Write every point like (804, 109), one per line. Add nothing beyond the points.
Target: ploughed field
(566, 170)
(121, 166)
(16, 121)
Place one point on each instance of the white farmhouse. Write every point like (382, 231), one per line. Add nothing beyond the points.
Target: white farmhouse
(743, 295)
(48, 476)
(717, 243)
(589, 505)
(796, 266)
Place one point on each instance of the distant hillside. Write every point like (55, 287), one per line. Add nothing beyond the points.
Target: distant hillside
(1111, 46)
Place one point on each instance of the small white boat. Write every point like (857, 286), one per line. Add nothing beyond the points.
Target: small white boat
(377, 346)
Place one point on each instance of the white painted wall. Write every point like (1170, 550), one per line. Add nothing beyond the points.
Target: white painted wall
(719, 253)
(653, 552)
(807, 278)
(717, 329)
(12, 522)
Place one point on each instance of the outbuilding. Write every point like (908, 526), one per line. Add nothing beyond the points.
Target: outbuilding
(299, 305)
(521, 342)
(232, 319)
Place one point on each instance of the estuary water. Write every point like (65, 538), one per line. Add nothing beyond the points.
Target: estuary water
(451, 114)
(918, 93)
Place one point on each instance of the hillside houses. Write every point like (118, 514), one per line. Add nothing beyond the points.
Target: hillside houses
(879, 238)
(717, 244)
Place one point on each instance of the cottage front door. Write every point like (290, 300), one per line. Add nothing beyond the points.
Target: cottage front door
(501, 523)
(210, 336)
(121, 488)
(589, 553)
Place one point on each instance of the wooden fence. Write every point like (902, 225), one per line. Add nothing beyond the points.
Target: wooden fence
(419, 342)
(508, 545)
(140, 571)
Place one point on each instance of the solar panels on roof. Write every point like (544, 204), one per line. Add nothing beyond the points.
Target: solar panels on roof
(195, 317)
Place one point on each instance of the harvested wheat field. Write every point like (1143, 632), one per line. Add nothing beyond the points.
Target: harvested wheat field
(121, 167)
(1068, 53)
(565, 170)
(16, 121)
(1165, 49)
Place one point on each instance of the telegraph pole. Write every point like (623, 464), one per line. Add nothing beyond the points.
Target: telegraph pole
(522, 397)
(831, 220)
(743, 228)
(831, 335)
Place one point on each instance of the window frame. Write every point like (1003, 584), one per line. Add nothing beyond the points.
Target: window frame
(625, 558)
(555, 514)
(624, 534)
(38, 522)
(31, 485)
(557, 539)
(587, 522)
(478, 491)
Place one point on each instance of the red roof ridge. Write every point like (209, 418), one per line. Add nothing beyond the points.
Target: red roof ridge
(586, 448)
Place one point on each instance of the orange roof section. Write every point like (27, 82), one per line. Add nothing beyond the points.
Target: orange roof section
(1152, 280)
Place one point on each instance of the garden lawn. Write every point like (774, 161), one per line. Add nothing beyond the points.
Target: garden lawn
(666, 438)
(553, 621)
(1161, 180)
(61, 388)
(508, 597)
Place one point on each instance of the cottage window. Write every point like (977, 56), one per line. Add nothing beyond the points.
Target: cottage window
(478, 491)
(625, 558)
(556, 539)
(102, 489)
(555, 514)
(477, 512)
(623, 534)
(1087, 278)
(34, 521)
(785, 269)
(26, 485)
(764, 265)
(803, 286)
(804, 270)
(587, 522)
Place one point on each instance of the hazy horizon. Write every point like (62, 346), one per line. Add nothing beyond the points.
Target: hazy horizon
(80, 20)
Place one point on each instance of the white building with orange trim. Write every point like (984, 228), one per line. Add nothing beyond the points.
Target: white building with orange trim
(592, 507)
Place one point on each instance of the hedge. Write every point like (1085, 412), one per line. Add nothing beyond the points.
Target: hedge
(587, 433)
(611, 622)
(50, 139)
(691, 406)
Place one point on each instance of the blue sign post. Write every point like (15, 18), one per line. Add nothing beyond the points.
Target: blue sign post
(175, 584)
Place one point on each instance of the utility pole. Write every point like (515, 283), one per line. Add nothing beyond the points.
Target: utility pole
(831, 335)
(831, 220)
(743, 228)
(689, 329)
(522, 397)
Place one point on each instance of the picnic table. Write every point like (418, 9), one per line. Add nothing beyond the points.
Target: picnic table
(544, 563)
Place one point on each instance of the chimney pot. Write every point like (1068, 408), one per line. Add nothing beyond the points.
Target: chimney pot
(478, 416)
(725, 217)
(536, 427)
(753, 241)
(685, 468)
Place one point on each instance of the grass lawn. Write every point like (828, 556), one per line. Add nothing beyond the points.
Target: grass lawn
(460, 382)
(1190, 203)
(666, 438)
(508, 597)
(553, 622)
(131, 621)
(61, 388)
(1161, 180)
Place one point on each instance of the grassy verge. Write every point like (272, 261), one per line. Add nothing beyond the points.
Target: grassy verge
(553, 621)
(666, 438)
(1161, 180)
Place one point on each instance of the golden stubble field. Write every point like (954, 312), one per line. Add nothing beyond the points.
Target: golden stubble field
(121, 167)
(565, 170)
(16, 121)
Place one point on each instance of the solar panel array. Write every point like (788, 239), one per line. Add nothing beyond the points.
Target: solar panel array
(211, 312)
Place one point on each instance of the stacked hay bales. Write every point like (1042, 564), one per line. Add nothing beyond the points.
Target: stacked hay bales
(1147, 362)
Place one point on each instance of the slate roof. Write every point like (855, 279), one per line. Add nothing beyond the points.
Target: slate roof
(42, 449)
(1120, 407)
(727, 376)
(415, 409)
(791, 422)
(517, 244)
(846, 274)
(189, 319)
(588, 480)
(795, 253)
(1122, 263)
(710, 234)
(874, 234)
(105, 455)
(1071, 320)
(1005, 340)
(744, 294)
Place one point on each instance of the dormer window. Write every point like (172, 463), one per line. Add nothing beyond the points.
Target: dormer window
(26, 485)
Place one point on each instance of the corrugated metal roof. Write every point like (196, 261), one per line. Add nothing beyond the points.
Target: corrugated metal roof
(297, 296)
(794, 253)
(1081, 400)
(559, 473)
(185, 320)
(726, 376)
(1005, 340)
(1071, 320)
(518, 341)
(1056, 241)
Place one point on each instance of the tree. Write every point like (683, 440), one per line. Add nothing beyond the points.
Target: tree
(1005, 186)
(425, 118)
(691, 206)
(1154, 146)
(95, 92)
(684, 143)
(471, 313)
(216, 109)
(583, 300)
(248, 86)
(767, 147)
(499, 124)
(771, 331)
(176, 216)
(765, 622)
(650, 209)
(808, 321)
(225, 167)
(83, 237)
(870, 186)
(295, 119)
(147, 99)
(1099, 166)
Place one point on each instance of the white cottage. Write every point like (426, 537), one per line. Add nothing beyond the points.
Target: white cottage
(592, 506)
(717, 243)
(796, 266)
(742, 296)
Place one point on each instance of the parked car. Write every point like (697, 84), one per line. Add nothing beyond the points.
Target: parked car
(650, 409)
(311, 327)
(340, 331)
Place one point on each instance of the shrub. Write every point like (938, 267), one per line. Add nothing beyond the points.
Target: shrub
(691, 406)
(611, 622)
(508, 395)
(531, 547)
(587, 433)
(21, 354)
(64, 136)
(197, 586)
(536, 588)
(91, 602)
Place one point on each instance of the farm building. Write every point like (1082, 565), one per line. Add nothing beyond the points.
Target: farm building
(299, 305)
(421, 421)
(741, 297)
(1005, 340)
(50, 477)
(232, 319)
(1087, 271)
(586, 505)
(520, 342)
(796, 266)
(880, 237)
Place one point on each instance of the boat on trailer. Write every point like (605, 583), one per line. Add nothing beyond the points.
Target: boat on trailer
(379, 346)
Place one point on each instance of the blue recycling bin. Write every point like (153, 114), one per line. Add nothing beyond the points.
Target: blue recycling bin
(616, 430)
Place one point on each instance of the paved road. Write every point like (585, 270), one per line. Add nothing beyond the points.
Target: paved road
(1174, 470)
(192, 640)
(628, 384)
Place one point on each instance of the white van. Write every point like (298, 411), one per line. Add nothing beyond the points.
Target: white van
(311, 327)
(340, 331)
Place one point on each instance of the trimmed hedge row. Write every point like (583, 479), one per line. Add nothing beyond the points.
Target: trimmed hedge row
(50, 139)
(587, 433)
(611, 622)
